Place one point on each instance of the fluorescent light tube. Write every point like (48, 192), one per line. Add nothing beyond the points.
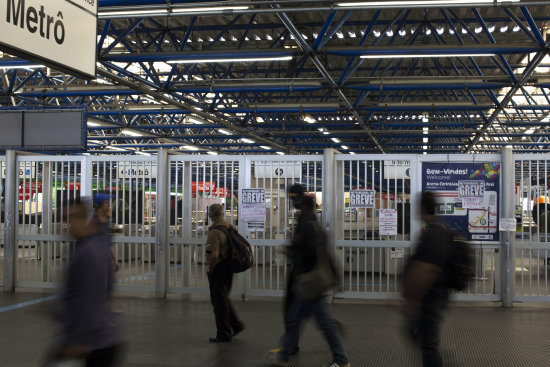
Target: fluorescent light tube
(420, 2)
(92, 124)
(248, 141)
(250, 59)
(208, 9)
(189, 147)
(131, 132)
(29, 66)
(336, 140)
(345, 147)
(265, 147)
(129, 13)
(280, 153)
(211, 153)
(404, 56)
(225, 132)
(310, 120)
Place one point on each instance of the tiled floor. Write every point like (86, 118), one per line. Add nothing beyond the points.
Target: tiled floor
(175, 331)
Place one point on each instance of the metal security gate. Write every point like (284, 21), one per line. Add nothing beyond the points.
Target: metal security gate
(131, 182)
(532, 238)
(43, 246)
(196, 183)
(2, 216)
(276, 175)
(371, 263)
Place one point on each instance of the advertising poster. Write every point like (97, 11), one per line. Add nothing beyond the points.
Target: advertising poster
(467, 197)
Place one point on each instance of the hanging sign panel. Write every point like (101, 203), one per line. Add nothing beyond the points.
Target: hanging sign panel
(253, 205)
(58, 33)
(466, 197)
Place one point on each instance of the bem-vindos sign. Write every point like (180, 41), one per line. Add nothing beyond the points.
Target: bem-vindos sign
(58, 33)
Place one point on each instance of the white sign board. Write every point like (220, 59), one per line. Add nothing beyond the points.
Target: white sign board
(387, 224)
(292, 170)
(26, 170)
(397, 169)
(60, 33)
(253, 205)
(397, 253)
(361, 198)
(507, 224)
(136, 170)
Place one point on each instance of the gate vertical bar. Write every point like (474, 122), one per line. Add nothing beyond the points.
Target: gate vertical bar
(329, 197)
(10, 246)
(46, 217)
(163, 188)
(245, 179)
(508, 259)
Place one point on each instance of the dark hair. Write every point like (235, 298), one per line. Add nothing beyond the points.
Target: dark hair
(215, 211)
(427, 202)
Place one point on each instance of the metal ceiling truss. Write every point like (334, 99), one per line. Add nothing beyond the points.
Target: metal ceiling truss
(360, 79)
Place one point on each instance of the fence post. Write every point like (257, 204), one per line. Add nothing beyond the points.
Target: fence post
(329, 195)
(508, 258)
(10, 202)
(163, 189)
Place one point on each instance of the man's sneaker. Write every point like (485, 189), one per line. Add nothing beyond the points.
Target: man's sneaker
(275, 359)
(334, 364)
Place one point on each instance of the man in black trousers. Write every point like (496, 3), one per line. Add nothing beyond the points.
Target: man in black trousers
(425, 284)
(220, 278)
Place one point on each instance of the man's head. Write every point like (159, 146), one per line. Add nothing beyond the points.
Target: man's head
(78, 219)
(215, 211)
(427, 204)
(299, 199)
(102, 204)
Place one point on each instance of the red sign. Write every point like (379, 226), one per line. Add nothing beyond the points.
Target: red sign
(72, 186)
(202, 186)
(30, 188)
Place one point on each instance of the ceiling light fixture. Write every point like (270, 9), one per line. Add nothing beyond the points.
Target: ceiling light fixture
(309, 119)
(265, 147)
(280, 153)
(225, 132)
(131, 132)
(336, 140)
(247, 141)
(383, 4)
(404, 56)
(250, 59)
(190, 147)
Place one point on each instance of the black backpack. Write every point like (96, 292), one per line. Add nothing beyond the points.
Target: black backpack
(460, 266)
(239, 256)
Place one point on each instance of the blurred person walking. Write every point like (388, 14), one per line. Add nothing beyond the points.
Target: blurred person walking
(308, 254)
(90, 330)
(220, 277)
(425, 284)
(102, 215)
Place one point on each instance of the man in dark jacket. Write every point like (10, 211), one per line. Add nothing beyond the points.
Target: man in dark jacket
(425, 285)
(308, 240)
(220, 278)
(90, 329)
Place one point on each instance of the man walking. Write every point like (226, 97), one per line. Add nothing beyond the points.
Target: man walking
(90, 329)
(308, 241)
(220, 277)
(425, 286)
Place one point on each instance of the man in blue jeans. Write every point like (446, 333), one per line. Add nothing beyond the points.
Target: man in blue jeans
(309, 238)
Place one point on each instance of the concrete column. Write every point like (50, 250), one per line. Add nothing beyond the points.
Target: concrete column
(163, 193)
(10, 219)
(507, 211)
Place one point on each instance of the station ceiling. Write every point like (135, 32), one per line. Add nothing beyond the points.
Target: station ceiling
(295, 77)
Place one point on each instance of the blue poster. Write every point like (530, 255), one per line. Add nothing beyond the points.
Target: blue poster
(467, 197)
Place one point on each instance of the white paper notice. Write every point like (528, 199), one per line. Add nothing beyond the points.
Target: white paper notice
(472, 202)
(388, 222)
(255, 226)
(253, 205)
(397, 253)
(507, 224)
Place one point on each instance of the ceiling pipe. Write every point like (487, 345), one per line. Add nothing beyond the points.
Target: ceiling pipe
(253, 7)
(184, 106)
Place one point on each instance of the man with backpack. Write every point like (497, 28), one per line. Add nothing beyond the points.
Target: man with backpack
(426, 283)
(220, 276)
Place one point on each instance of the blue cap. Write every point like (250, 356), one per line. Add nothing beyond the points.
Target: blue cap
(100, 198)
